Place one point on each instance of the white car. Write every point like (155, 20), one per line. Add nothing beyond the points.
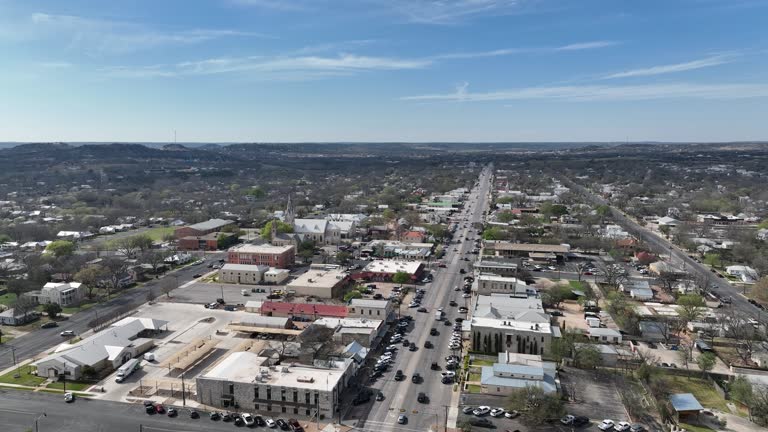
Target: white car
(466, 295)
(67, 333)
(248, 419)
(497, 412)
(605, 425)
(481, 411)
(69, 397)
(454, 346)
(567, 419)
(622, 426)
(449, 374)
(270, 423)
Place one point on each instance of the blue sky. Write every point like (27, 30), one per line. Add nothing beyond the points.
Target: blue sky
(383, 70)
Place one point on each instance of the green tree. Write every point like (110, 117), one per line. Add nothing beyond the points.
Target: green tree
(494, 233)
(665, 229)
(61, 248)
(537, 405)
(52, 309)
(706, 361)
(505, 216)
(556, 294)
(343, 257)
(713, 260)
(401, 278)
(690, 308)
(555, 210)
(142, 242)
(587, 356)
(256, 192)
(91, 277)
(4, 238)
(741, 389)
(282, 227)
(354, 294)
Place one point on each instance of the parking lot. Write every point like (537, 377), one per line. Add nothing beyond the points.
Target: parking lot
(593, 394)
(202, 293)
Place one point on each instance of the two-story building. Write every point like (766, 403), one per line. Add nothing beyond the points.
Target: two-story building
(264, 254)
(371, 309)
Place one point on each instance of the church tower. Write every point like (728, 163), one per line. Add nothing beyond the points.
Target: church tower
(290, 212)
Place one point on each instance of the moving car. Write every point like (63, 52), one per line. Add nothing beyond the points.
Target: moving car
(67, 333)
(399, 375)
(402, 419)
(422, 398)
(416, 378)
(50, 324)
(433, 332)
(380, 396)
(69, 397)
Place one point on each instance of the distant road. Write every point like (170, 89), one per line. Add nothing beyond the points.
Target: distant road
(660, 246)
(41, 339)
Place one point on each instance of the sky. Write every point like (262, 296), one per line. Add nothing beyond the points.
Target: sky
(383, 70)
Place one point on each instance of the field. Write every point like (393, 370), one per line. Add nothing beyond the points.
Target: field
(7, 299)
(158, 233)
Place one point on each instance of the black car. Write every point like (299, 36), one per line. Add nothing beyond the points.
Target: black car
(580, 421)
(453, 303)
(226, 417)
(447, 322)
(150, 409)
(214, 416)
(239, 421)
(259, 420)
(282, 423)
(380, 396)
(50, 324)
(435, 366)
(416, 378)
(194, 414)
(446, 380)
(360, 399)
(399, 375)
(422, 398)
(427, 344)
(421, 309)
(481, 422)
(433, 332)
(412, 347)
(197, 275)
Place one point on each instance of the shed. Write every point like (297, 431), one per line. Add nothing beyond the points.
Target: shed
(686, 406)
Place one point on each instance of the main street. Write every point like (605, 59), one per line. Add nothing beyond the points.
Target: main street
(401, 396)
(661, 246)
(32, 343)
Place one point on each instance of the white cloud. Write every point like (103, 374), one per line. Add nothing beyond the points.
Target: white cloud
(674, 68)
(605, 93)
(117, 37)
(514, 51)
(298, 67)
(55, 65)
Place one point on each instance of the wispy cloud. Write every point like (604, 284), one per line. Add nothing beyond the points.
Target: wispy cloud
(589, 93)
(55, 65)
(514, 51)
(299, 67)
(117, 37)
(674, 68)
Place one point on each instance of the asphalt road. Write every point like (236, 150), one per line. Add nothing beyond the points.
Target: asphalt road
(401, 395)
(19, 409)
(662, 246)
(42, 339)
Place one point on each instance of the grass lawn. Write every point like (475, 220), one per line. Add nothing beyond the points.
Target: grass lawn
(693, 428)
(5, 339)
(158, 233)
(71, 385)
(25, 378)
(577, 285)
(474, 376)
(701, 389)
(478, 362)
(7, 299)
(474, 388)
(82, 307)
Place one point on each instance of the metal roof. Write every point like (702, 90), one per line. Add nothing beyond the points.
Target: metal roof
(685, 402)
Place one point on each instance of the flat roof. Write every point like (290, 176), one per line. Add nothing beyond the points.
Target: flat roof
(326, 278)
(245, 267)
(392, 266)
(240, 366)
(526, 247)
(211, 224)
(349, 322)
(263, 248)
(369, 303)
(685, 402)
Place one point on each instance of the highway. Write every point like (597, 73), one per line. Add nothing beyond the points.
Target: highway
(401, 396)
(31, 344)
(661, 246)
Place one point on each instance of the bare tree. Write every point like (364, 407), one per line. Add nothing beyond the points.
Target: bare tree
(24, 305)
(91, 277)
(613, 276)
(125, 246)
(153, 258)
(151, 296)
(668, 280)
(737, 327)
(116, 272)
(318, 340)
(169, 284)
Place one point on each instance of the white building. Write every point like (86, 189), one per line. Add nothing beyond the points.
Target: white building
(503, 323)
(745, 273)
(242, 273)
(370, 309)
(604, 335)
(492, 284)
(503, 378)
(276, 276)
(248, 382)
(366, 332)
(320, 281)
(63, 294)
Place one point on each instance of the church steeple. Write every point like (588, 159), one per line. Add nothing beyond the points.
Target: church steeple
(290, 212)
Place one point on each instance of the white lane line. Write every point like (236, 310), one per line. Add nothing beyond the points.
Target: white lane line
(17, 411)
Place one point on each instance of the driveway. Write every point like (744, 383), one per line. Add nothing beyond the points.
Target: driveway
(593, 394)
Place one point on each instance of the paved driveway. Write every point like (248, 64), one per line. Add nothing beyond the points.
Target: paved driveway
(593, 395)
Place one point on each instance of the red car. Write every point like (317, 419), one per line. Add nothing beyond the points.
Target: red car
(159, 409)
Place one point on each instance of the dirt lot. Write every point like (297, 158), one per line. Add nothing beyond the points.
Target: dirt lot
(573, 315)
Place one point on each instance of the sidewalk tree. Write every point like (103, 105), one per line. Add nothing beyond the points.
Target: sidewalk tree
(61, 248)
(401, 278)
(91, 277)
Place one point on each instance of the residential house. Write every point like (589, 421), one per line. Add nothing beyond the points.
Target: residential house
(745, 273)
(63, 294)
(13, 317)
(604, 335)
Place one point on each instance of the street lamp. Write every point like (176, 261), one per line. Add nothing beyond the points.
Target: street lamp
(38, 418)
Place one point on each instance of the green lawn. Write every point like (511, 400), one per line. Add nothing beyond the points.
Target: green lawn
(71, 385)
(25, 377)
(478, 362)
(577, 285)
(701, 389)
(82, 307)
(474, 376)
(693, 428)
(474, 388)
(158, 233)
(5, 339)
(7, 299)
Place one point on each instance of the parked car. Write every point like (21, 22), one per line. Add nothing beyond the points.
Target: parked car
(606, 425)
(467, 410)
(259, 420)
(637, 427)
(568, 419)
(194, 414)
(511, 414)
(172, 412)
(270, 423)
(69, 397)
(497, 412)
(50, 324)
(622, 426)
(294, 425)
(481, 422)
(481, 411)
(248, 419)
(282, 424)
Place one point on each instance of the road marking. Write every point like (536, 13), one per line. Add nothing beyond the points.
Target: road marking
(164, 429)
(17, 411)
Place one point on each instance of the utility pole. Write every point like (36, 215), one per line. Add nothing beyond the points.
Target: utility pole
(38, 418)
(183, 393)
(15, 366)
(446, 417)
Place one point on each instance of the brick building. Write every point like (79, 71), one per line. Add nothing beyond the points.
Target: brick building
(266, 254)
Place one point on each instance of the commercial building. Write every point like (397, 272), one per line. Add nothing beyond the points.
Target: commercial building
(515, 371)
(507, 249)
(604, 335)
(500, 267)
(492, 284)
(397, 249)
(610, 355)
(247, 382)
(371, 309)
(265, 254)
(242, 273)
(320, 281)
(108, 349)
(366, 332)
(302, 311)
(203, 228)
(276, 276)
(503, 323)
(206, 242)
(383, 270)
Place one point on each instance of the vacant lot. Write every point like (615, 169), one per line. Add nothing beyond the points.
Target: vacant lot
(594, 394)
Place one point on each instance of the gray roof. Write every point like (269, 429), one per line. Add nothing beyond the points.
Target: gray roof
(597, 331)
(381, 304)
(685, 402)
(487, 377)
(211, 224)
(245, 267)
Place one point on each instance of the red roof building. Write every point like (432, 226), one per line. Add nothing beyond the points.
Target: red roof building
(311, 311)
